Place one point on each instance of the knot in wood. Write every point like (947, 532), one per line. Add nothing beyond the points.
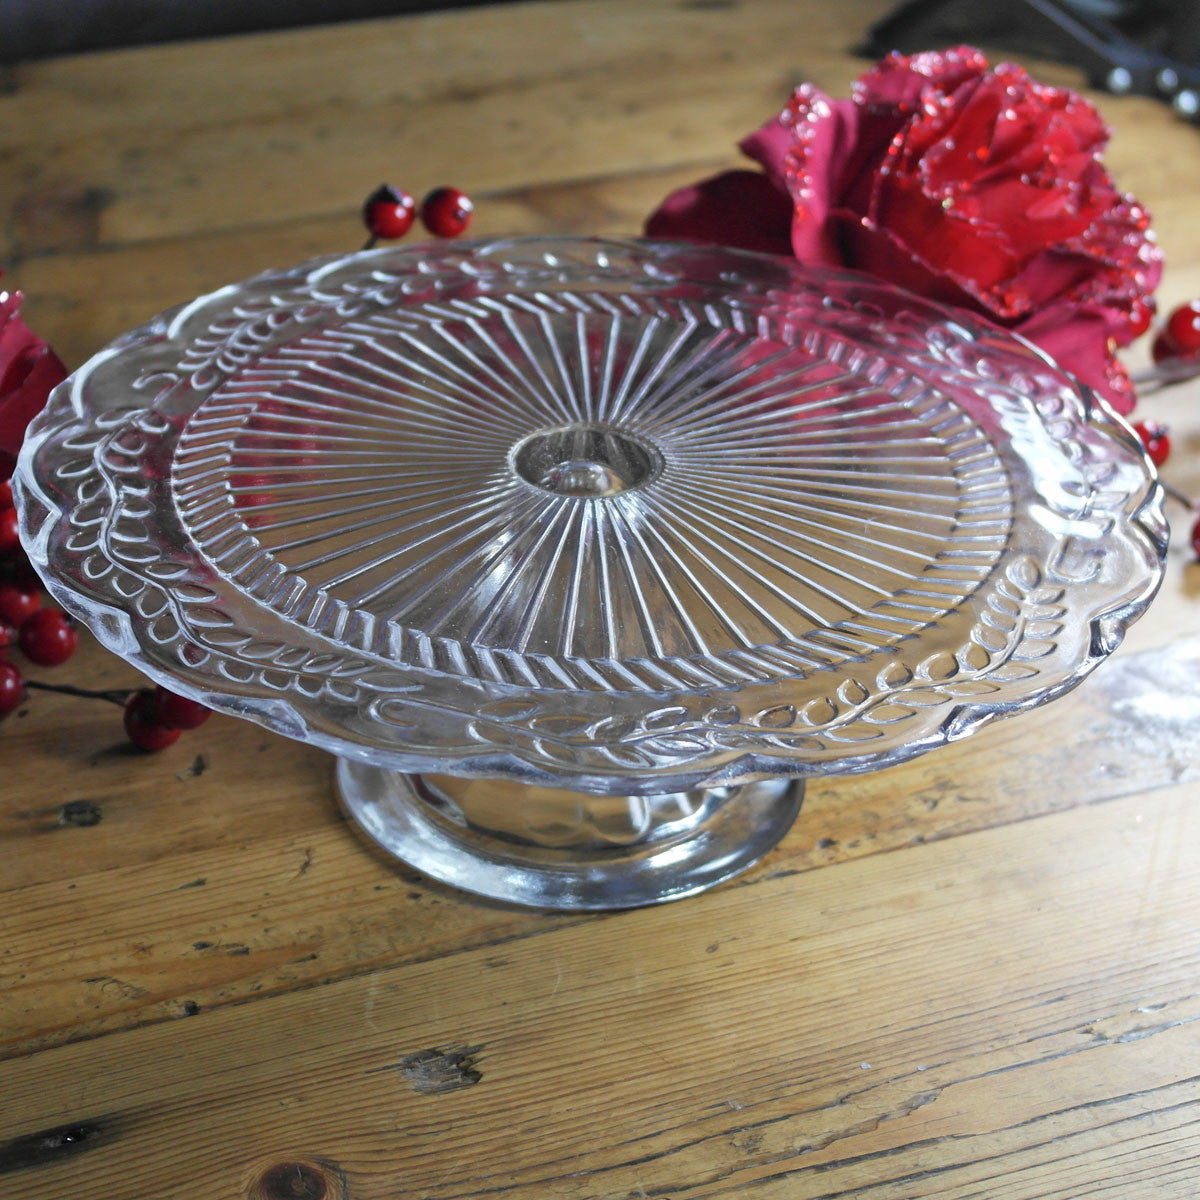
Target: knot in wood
(297, 1181)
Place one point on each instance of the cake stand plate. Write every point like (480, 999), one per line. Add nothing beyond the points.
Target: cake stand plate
(582, 555)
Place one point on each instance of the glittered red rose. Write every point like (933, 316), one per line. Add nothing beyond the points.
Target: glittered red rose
(971, 185)
(29, 369)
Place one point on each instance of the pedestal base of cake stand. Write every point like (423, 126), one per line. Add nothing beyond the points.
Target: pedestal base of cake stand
(553, 848)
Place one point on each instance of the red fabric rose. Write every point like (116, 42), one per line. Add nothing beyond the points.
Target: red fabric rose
(974, 186)
(29, 369)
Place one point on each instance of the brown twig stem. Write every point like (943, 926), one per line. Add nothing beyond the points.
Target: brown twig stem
(112, 695)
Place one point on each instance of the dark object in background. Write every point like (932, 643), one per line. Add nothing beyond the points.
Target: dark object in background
(38, 28)
(1151, 47)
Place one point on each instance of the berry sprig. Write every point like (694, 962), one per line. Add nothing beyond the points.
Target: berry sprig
(1179, 339)
(1175, 349)
(1176, 354)
(1156, 440)
(45, 635)
(388, 213)
(154, 717)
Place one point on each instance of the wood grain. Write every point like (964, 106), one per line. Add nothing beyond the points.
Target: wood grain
(82, 299)
(926, 1022)
(183, 896)
(971, 976)
(495, 99)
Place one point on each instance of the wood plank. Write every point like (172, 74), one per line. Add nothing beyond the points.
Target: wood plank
(79, 301)
(187, 895)
(115, 196)
(571, 112)
(1003, 1015)
(284, 126)
(340, 69)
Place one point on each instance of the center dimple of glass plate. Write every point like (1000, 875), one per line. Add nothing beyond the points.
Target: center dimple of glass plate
(587, 488)
(588, 461)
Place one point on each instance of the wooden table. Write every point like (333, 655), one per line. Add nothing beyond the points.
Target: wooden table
(976, 975)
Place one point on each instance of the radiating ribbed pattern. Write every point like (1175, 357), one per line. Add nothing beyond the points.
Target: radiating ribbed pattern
(392, 477)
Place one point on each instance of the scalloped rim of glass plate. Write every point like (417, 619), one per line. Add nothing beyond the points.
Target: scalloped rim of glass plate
(118, 630)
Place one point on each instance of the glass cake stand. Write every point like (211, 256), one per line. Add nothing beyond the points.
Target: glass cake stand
(582, 555)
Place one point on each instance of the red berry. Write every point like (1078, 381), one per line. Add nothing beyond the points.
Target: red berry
(1156, 438)
(178, 712)
(1182, 330)
(8, 637)
(12, 688)
(10, 540)
(388, 212)
(446, 212)
(48, 638)
(142, 724)
(7, 464)
(1141, 313)
(5, 494)
(17, 602)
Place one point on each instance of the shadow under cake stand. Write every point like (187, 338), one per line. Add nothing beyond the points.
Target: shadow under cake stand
(582, 555)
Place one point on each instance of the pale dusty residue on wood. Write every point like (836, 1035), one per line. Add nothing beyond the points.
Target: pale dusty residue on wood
(441, 1069)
